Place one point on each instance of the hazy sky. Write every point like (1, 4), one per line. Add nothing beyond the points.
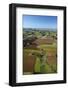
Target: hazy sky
(35, 21)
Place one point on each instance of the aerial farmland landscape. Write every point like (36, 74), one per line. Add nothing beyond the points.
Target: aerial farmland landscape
(39, 45)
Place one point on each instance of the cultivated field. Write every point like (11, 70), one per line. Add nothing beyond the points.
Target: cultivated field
(40, 51)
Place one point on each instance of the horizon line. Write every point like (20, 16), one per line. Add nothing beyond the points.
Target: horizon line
(39, 28)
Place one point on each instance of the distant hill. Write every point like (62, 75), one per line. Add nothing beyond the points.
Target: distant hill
(39, 29)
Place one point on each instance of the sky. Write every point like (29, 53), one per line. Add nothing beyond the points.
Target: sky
(37, 21)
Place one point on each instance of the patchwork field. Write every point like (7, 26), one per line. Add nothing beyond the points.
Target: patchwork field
(32, 62)
(40, 53)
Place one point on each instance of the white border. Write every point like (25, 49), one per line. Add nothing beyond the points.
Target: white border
(19, 49)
